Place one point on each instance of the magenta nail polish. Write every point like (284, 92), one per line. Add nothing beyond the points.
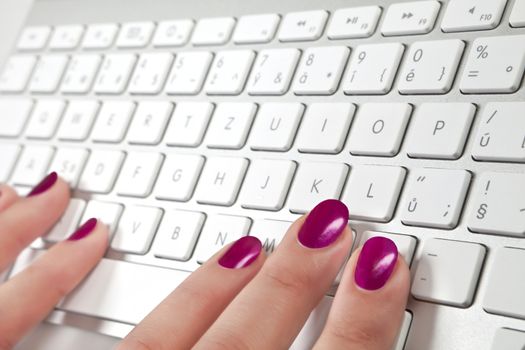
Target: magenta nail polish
(376, 262)
(84, 230)
(44, 185)
(241, 253)
(324, 224)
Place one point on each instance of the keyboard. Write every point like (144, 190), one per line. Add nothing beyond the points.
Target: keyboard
(186, 126)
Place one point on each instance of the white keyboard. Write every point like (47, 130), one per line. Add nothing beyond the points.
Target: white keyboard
(187, 133)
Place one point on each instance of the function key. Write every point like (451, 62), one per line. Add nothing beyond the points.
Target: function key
(100, 36)
(303, 26)
(173, 33)
(467, 15)
(410, 18)
(356, 22)
(256, 29)
(517, 17)
(213, 31)
(66, 37)
(34, 38)
(135, 34)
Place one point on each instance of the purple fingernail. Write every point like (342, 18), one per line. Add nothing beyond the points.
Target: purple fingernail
(375, 263)
(83, 230)
(324, 224)
(242, 253)
(44, 185)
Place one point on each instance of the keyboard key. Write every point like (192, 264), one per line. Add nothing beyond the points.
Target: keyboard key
(78, 120)
(48, 73)
(80, 74)
(228, 72)
(135, 34)
(273, 71)
(13, 116)
(112, 121)
(136, 229)
(315, 182)
(114, 73)
(230, 125)
(221, 180)
(379, 128)
(150, 73)
(427, 205)
(269, 232)
(498, 204)
(32, 165)
(188, 124)
(448, 271)
(509, 339)
(101, 171)
(275, 126)
(440, 130)
(66, 37)
(16, 73)
(325, 127)
(213, 31)
(517, 16)
(355, 22)
(45, 118)
(267, 184)
(68, 223)
(149, 122)
(188, 73)
(172, 33)
(407, 18)
(69, 163)
(406, 245)
(9, 155)
(177, 235)
(100, 36)
(178, 177)
(139, 174)
(467, 15)
(256, 29)
(33, 38)
(373, 191)
(303, 26)
(108, 213)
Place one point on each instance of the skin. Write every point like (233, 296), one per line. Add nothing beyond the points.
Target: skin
(211, 308)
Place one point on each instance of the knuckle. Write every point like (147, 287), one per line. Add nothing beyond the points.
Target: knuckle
(136, 343)
(224, 341)
(287, 279)
(358, 337)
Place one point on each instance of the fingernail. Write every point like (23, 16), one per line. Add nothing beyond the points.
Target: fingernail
(375, 263)
(242, 253)
(44, 185)
(84, 230)
(324, 224)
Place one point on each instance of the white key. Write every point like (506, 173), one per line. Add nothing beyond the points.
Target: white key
(354, 22)
(430, 67)
(107, 212)
(139, 174)
(315, 182)
(177, 234)
(69, 163)
(218, 231)
(136, 229)
(33, 38)
(406, 245)
(172, 33)
(427, 205)
(495, 65)
(13, 116)
(373, 191)
(410, 18)
(48, 73)
(188, 73)
(32, 165)
(178, 177)
(303, 26)
(9, 155)
(517, 16)
(221, 180)
(213, 31)
(439, 130)
(275, 126)
(188, 124)
(320, 70)
(78, 120)
(45, 118)
(448, 271)
(100, 36)
(273, 71)
(267, 184)
(149, 122)
(500, 135)
(466, 15)
(68, 223)
(114, 73)
(66, 37)
(112, 121)
(150, 73)
(379, 128)
(269, 232)
(16, 73)
(325, 127)
(80, 74)
(255, 29)
(135, 34)
(230, 125)
(101, 171)
(505, 285)
(372, 69)
(509, 339)
(228, 72)
(498, 204)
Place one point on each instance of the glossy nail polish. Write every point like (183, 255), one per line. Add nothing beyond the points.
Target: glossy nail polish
(84, 230)
(241, 253)
(376, 262)
(44, 185)
(324, 224)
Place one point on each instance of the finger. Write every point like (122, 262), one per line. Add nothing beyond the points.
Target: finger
(368, 308)
(277, 302)
(29, 296)
(8, 196)
(30, 217)
(181, 319)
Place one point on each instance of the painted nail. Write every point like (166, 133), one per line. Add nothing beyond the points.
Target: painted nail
(375, 263)
(84, 230)
(324, 224)
(44, 185)
(242, 253)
